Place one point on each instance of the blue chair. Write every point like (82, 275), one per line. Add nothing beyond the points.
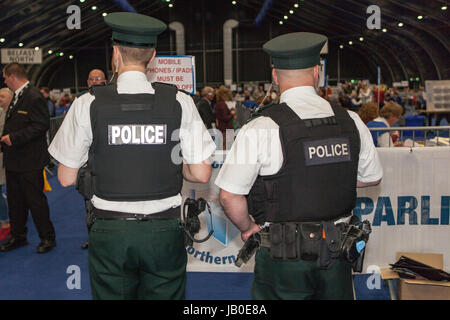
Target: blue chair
(414, 121)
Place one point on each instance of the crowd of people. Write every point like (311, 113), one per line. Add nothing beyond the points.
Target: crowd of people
(377, 106)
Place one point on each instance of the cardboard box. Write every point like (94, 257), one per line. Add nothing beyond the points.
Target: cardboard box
(420, 289)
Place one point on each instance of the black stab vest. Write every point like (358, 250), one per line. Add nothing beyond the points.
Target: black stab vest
(317, 180)
(130, 155)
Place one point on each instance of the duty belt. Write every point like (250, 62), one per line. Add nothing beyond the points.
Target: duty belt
(265, 230)
(300, 240)
(323, 242)
(172, 213)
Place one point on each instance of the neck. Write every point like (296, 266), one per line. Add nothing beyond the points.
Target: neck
(20, 83)
(286, 86)
(131, 68)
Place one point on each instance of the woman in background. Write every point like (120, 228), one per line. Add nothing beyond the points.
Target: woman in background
(224, 115)
(389, 115)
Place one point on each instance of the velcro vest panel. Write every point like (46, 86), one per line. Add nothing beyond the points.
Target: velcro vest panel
(130, 156)
(317, 180)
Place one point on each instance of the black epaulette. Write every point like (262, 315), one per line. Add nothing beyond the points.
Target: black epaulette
(92, 88)
(258, 111)
(166, 84)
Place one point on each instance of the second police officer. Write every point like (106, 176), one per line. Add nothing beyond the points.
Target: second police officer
(125, 133)
(303, 160)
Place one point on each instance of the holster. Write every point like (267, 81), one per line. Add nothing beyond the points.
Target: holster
(89, 218)
(352, 233)
(85, 183)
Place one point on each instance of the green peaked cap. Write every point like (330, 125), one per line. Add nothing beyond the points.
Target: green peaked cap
(134, 29)
(297, 50)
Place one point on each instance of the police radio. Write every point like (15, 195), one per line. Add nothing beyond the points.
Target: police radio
(191, 222)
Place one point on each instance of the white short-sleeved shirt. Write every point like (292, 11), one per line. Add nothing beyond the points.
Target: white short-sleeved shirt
(72, 141)
(257, 148)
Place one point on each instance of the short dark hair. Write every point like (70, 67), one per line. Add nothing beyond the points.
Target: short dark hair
(139, 56)
(16, 69)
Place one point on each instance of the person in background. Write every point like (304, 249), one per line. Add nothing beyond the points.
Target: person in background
(25, 155)
(388, 98)
(51, 106)
(389, 115)
(224, 115)
(355, 102)
(258, 92)
(205, 107)
(96, 78)
(368, 112)
(65, 100)
(398, 99)
(365, 94)
(248, 103)
(6, 96)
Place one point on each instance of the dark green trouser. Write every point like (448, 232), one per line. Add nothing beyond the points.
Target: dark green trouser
(300, 280)
(137, 260)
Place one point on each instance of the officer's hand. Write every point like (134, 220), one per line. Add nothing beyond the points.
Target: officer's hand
(251, 230)
(6, 140)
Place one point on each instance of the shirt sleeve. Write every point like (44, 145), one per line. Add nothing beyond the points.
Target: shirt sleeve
(256, 151)
(71, 143)
(369, 165)
(195, 141)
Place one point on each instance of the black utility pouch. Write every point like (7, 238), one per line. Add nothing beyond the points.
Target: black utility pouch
(291, 244)
(311, 235)
(276, 241)
(330, 245)
(85, 182)
(284, 241)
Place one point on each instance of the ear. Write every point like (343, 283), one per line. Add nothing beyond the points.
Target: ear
(316, 76)
(153, 56)
(116, 51)
(275, 77)
(316, 72)
(117, 57)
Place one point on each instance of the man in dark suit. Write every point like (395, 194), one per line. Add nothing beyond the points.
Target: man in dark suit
(205, 107)
(25, 155)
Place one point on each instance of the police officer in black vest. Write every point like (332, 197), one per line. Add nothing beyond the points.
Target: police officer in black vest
(131, 135)
(304, 160)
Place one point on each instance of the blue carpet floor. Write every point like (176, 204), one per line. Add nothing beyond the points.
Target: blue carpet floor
(27, 275)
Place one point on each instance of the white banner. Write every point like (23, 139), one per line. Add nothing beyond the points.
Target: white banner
(23, 56)
(218, 254)
(177, 70)
(409, 212)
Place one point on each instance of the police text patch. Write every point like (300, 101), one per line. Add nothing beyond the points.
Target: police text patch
(135, 134)
(326, 151)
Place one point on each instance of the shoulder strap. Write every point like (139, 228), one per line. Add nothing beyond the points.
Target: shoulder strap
(282, 115)
(103, 89)
(341, 114)
(164, 92)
